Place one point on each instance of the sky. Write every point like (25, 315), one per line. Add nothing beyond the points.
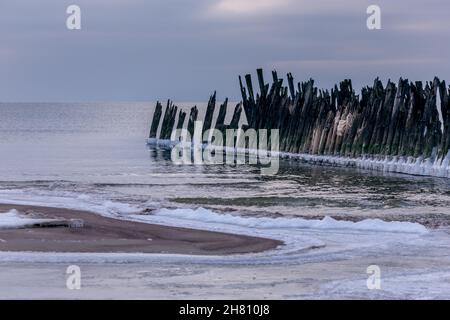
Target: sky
(145, 50)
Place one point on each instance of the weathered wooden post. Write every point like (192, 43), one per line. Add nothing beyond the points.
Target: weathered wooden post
(209, 113)
(221, 116)
(191, 123)
(168, 121)
(155, 121)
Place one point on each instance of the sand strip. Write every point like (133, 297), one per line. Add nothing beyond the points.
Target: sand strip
(102, 234)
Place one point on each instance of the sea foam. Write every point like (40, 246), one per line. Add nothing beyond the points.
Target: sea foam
(206, 216)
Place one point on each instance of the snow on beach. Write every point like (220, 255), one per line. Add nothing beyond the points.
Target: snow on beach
(322, 258)
(12, 220)
(298, 234)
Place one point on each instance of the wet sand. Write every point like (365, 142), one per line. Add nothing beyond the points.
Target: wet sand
(108, 235)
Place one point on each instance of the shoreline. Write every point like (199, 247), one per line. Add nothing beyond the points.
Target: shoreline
(108, 235)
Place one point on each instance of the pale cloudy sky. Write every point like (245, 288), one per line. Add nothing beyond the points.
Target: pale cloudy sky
(184, 49)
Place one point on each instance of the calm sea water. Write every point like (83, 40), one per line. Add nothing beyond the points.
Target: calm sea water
(98, 151)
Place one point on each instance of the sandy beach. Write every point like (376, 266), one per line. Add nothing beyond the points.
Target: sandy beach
(108, 235)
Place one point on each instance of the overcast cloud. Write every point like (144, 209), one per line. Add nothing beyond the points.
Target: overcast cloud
(184, 49)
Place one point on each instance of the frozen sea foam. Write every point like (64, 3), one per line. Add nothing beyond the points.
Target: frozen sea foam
(327, 223)
(13, 220)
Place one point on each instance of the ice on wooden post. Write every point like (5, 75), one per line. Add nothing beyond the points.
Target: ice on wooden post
(397, 128)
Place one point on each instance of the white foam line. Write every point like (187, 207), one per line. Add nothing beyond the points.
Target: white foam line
(205, 216)
(438, 167)
(13, 220)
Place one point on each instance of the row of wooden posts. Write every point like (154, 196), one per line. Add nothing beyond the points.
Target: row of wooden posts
(396, 120)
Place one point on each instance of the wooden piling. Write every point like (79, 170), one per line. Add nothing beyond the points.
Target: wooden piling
(155, 121)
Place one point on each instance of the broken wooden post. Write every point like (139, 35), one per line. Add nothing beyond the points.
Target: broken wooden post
(191, 123)
(155, 121)
(181, 118)
(221, 116)
(168, 121)
(209, 113)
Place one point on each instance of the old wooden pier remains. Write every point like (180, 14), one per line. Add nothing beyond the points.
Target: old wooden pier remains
(399, 128)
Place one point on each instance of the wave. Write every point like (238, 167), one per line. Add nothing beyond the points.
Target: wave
(327, 223)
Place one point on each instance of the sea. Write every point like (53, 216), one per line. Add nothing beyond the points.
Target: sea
(95, 156)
